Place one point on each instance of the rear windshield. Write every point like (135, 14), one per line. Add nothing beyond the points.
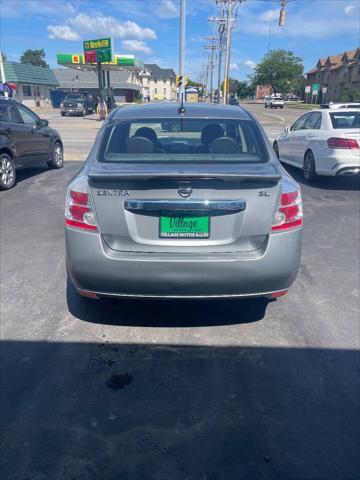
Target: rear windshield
(75, 97)
(344, 120)
(179, 139)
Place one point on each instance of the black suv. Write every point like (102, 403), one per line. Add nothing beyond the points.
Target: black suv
(78, 104)
(25, 140)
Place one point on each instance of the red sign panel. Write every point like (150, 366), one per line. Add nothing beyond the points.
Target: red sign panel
(90, 56)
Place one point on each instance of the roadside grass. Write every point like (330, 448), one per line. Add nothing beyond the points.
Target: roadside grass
(303, 106)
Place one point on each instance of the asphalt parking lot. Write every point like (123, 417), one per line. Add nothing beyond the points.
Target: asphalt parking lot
(168, 390)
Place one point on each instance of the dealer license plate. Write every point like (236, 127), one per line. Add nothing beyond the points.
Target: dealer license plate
(184, 227)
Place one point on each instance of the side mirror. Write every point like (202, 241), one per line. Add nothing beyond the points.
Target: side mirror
(44, 123)
(287, 129)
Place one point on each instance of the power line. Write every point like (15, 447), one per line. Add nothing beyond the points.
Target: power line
(211, 46)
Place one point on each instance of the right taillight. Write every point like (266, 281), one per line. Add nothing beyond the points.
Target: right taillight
(347, 143)
(289, 212)
(79, 211)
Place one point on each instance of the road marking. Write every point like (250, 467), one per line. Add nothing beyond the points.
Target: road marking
(282, 119)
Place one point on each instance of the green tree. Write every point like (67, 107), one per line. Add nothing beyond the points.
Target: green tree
(350, 95)
(191, 83)
(281, 69)
(240, 88)
(34, 57)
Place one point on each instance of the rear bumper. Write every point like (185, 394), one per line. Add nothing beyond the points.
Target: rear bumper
(75, 110)
(94, 267)
(339, 162)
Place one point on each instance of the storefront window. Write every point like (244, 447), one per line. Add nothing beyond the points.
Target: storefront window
(27, 90)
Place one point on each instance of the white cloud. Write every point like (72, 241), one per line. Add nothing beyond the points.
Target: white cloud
(166, 9)
(62, 32)
(136, 46)
(110, 26)
(269, 15)
(250, 63)
(349, 9)
(234, 66)
(40, 8)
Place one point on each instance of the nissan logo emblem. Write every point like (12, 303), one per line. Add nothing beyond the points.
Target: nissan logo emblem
(185, 191)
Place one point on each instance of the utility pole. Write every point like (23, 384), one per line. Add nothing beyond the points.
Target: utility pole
(211, 47)
(229, 23)
(206, 80)
(227, 49)
(182, 50)
(2, 71)
(221, 22)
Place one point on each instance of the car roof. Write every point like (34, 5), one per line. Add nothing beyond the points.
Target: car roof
(171, 110)
(331, 110)
(342, 110)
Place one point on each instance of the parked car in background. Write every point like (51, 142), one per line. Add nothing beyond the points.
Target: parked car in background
(78, 104)
(293, 98)
(322, 142)
(204, 211)
(341, 105)
(274, 102)
(25, 141)
(234, 101)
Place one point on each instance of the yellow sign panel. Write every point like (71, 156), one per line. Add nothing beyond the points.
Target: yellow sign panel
(76, 58)
(95, 44)
(181, 80)
(192, 97)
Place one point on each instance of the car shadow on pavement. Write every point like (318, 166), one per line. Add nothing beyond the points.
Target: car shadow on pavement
(350, 183)
(171, 411)
(165, 312)
(27, 173)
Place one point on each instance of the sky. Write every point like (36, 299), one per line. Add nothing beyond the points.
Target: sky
(149, 29)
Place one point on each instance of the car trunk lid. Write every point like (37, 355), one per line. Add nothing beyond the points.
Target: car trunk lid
(184, 207)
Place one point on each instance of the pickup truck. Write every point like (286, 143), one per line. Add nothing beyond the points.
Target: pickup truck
(78, 104)
(276, 102)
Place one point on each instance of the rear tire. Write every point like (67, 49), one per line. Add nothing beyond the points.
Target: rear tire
(7, 172)
(276, 150)
(63, 114)
(57, 160)
(309, 168)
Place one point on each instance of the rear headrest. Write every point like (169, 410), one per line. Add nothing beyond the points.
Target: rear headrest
(147, 132)
(139, 145)
(224, 145)
(210, 132)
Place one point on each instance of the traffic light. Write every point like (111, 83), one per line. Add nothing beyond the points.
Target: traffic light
(181, 81)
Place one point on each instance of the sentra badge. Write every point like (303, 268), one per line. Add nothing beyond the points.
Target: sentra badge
(112, 193)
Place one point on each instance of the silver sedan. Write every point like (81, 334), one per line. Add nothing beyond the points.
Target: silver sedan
(203, 211)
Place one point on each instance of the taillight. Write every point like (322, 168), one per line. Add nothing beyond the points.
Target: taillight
(289, 213)
(348, 143)
(79, 212)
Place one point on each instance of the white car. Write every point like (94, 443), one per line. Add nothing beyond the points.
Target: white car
(276, 102)
(322, 142)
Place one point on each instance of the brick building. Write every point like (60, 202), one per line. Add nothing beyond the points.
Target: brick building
(336, 73)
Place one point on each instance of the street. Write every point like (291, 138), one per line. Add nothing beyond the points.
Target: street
(177, 390)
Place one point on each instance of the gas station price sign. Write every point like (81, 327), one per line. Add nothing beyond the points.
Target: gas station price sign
(98, 51)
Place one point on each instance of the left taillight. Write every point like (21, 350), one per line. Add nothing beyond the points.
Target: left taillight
(289, 212)
(79, 210)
